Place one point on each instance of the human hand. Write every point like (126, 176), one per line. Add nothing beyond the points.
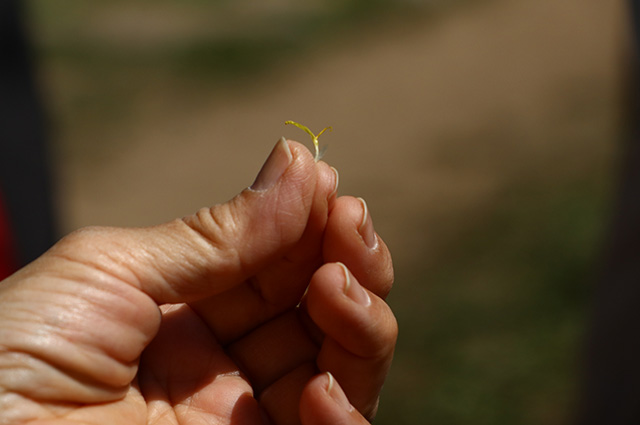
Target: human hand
(196, 321)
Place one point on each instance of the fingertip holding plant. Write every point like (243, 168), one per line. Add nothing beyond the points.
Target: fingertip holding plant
(318, 152)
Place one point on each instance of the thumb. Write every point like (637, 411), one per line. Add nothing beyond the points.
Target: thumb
(214, 249)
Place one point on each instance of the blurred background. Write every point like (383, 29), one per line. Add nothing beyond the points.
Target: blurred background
(484, 134)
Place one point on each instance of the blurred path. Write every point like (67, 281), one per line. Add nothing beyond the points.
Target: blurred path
(431, 121)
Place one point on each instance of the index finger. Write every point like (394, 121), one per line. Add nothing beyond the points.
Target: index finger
(350, 238)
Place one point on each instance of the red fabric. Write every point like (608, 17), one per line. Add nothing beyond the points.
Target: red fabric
(8, 263)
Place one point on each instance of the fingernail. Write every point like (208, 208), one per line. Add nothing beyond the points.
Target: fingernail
(336, 393)
(366, 227)
(274, 167)
(337, 180)
(353, 290)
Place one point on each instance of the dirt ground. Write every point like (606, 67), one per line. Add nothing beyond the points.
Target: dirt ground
(432, 120)
(439, 121)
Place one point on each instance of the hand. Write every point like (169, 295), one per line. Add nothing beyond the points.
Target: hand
(203, 320)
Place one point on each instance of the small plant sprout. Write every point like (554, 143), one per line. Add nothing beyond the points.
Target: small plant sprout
(314, 138)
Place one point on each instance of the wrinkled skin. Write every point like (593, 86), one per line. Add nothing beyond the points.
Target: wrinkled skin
(205, 320)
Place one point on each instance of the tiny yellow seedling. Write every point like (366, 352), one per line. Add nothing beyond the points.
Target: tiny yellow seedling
(314, 138)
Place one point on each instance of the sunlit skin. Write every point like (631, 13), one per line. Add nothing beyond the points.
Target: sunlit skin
(202, 319)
